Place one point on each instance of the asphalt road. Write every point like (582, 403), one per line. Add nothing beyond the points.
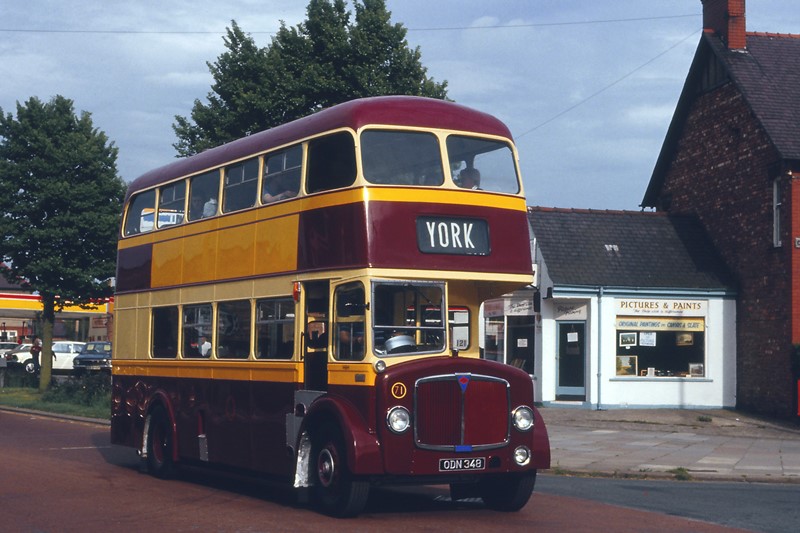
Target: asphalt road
(60, 475)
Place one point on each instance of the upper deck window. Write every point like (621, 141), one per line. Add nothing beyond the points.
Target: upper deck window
(241, 184)
(141, 213)
(401, 158)
(172, 199)
(482, 164)
(204, 195)
(282, 175)
(331, 162)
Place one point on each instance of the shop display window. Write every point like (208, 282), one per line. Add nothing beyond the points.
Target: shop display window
(659, 353)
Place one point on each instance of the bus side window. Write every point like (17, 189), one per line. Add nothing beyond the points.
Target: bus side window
(171, 200)
(233, 330)
(203, 195)
(141, 214)
(282, 175)
(241, 182)
(197, 321)
(275, 328)
(165, 332)
(331, 162)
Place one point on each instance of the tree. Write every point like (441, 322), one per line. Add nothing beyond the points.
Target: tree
(321, 62)
(60, 203)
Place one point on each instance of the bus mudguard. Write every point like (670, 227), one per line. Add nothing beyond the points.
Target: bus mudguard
(363, 448)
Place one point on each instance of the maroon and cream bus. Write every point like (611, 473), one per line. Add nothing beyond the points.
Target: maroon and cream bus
(304, 302)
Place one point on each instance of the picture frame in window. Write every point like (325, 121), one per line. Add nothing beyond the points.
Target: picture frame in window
(697, 370)
(684, 339)
(627, 365)
(628, 339)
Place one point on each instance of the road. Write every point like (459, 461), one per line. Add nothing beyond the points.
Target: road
(63, 476)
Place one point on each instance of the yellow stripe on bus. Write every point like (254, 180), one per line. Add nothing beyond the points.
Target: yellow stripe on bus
(359, 374)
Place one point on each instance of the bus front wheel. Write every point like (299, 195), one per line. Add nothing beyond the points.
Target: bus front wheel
(335, 491)
(507, 493)
(159, 445)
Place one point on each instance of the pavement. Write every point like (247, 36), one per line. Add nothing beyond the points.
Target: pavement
(688, 444)
(702, 445)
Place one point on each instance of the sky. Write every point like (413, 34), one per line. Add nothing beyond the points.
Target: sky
(587, 87)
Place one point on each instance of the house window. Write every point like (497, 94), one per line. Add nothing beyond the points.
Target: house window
(776, 213)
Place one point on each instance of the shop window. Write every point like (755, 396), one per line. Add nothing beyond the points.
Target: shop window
(672, 348)
(233, 330)
(494, 338)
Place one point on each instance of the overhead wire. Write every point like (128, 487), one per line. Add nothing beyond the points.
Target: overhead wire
(606, 87)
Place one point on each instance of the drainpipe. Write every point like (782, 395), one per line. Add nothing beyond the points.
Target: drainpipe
(599, 341)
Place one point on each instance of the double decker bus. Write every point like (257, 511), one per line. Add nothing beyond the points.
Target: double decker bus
(303, 303)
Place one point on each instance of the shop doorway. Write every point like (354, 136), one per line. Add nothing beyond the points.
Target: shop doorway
(520, 342)
(571, 364)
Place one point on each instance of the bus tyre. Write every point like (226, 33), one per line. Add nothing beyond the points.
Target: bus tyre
(507, 493)
(159, 445)
(335, 492)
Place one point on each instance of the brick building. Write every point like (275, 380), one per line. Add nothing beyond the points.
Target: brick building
(731, 157)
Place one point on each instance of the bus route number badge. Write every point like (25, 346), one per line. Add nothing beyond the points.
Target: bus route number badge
(399, 391)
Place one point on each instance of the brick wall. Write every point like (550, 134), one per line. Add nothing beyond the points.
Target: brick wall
(722, 170)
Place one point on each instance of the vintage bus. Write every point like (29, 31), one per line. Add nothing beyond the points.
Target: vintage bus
(307, 308)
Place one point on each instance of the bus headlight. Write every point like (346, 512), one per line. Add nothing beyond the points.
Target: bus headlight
(522, 455)
(398, 419)
(379, 366)
(523, 418)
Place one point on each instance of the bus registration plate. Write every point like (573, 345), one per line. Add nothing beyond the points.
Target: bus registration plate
(462, 464)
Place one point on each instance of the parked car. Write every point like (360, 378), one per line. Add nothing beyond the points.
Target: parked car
(95, 356)
(6, 346)
(65, 352)
(20, 355)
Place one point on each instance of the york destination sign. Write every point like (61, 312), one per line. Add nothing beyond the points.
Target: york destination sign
(456, 236)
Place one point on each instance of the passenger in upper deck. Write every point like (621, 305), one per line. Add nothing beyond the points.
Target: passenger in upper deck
(470, 178)
(278, 188)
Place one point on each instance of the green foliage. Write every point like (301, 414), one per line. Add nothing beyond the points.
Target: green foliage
(88, 396)
(85, 390)
(321, 62)
(60, 199)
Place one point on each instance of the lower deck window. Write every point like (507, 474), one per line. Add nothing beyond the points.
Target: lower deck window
(233, 330)
(165, 332)
(275, 328)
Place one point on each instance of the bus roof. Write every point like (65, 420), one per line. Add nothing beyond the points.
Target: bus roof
(381, 110)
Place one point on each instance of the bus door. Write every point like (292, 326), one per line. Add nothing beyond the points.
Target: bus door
(315, 342)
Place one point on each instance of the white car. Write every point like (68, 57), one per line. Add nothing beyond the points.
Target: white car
(65, 352)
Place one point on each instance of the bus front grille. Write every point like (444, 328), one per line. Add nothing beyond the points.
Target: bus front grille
(461, 412)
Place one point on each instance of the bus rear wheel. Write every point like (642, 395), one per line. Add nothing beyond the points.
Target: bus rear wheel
(507, 493)
(159, 445)
(335, 491)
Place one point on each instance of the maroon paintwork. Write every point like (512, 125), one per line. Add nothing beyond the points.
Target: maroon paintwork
(387, 110)
(244, 422)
